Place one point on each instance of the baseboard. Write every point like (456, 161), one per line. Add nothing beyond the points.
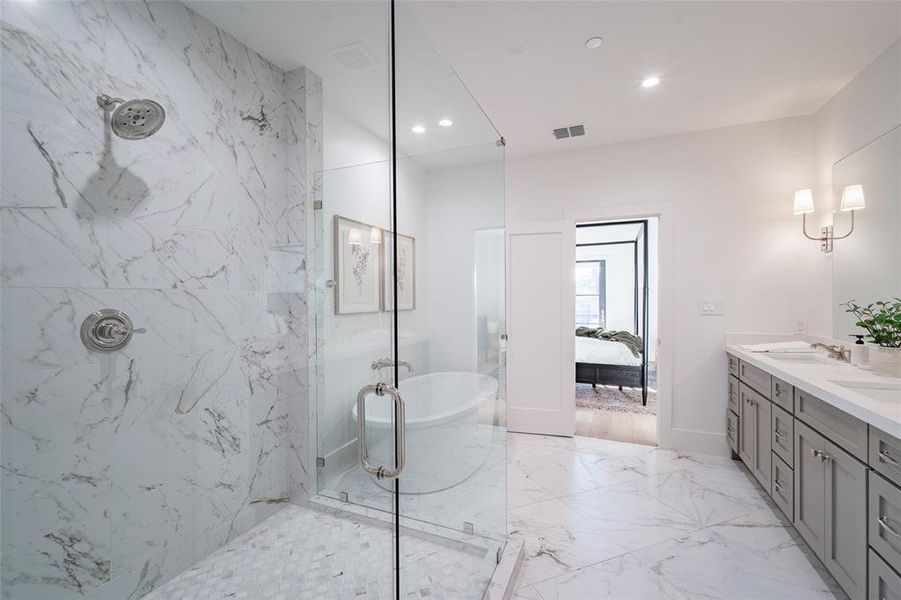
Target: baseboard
(699, 442)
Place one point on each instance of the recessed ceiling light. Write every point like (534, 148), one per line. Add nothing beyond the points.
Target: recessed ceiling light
(417, 129)
(650, 82)
(593, 42)
(445, 122)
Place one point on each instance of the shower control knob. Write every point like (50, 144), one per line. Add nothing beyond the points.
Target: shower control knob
(107, 330)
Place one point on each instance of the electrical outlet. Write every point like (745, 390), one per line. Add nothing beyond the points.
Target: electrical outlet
(801, 326)
(711, 307)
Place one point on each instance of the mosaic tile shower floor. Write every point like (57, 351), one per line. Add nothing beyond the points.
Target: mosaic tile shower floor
(307, 553)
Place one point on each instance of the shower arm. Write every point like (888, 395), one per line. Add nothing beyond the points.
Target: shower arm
(108, 103)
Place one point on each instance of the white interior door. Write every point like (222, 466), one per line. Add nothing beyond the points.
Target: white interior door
(541, 327)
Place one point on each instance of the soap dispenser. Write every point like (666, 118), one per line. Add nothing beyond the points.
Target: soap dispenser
(860, 355)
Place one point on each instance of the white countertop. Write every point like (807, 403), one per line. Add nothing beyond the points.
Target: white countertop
(817, 379)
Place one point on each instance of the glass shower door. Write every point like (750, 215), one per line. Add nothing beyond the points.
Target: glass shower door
(447, 292)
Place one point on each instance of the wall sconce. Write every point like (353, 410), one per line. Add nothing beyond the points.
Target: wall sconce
(852, 200)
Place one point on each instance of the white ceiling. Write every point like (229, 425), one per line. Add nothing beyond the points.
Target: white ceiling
(722, 63)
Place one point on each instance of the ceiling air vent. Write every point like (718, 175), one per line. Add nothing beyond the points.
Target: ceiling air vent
(353, 57)
(572, 131)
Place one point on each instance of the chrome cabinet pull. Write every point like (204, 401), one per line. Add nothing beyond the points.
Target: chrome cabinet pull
(778, 486)
(884, 523)
(400, 431)
(820, 454)
(884, 457)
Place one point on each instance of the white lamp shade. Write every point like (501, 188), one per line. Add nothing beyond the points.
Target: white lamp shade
(803, 202)
(852, 197)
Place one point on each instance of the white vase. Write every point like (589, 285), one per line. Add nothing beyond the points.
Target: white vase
(885, 361)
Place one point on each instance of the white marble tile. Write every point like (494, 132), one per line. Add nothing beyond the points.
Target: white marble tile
(558, 540)
(629, 517)
(708, 496)
(617, 578)
(187, 437)
(751, 557)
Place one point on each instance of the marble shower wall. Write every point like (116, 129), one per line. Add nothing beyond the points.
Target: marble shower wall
(121, 470)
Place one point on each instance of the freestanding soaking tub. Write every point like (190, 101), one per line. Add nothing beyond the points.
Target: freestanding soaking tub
(445, 442)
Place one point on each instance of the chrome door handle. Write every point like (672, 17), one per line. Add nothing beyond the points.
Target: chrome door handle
(884, 524)
(884, 457)
(817, 453)
(400, 431)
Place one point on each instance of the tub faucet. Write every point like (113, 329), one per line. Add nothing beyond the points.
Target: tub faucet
(387, 362)
(837, 352)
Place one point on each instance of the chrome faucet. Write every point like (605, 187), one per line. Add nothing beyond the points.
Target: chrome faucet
(387, 362)
(838, 352)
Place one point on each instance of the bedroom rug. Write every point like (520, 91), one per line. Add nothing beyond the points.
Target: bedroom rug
(610, 398)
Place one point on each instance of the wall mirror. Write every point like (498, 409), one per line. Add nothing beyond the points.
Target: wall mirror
(867, 265)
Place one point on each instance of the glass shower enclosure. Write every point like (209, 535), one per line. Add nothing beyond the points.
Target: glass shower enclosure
(252, 305)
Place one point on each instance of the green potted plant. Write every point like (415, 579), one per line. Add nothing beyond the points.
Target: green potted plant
(882, 322)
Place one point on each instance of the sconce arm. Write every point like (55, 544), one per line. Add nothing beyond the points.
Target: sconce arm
(850, 231)
(804, 229)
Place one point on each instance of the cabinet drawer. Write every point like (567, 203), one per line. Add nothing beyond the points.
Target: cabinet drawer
(885, 584)
(782, 394)
(733, 394)
(848, 432)
(733, 365)
(884, 525)
(756, 378)
(732, 431)
(783, 432)
(784, 487)
(885, 455)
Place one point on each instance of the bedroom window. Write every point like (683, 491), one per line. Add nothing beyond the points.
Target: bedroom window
(591, 286)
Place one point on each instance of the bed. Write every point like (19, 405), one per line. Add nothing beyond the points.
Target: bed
(606, 363)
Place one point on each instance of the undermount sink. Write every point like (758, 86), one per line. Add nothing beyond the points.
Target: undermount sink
(798, 357)
(877, 390)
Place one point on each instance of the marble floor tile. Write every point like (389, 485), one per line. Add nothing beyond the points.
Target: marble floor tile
(618, 578)
(557, 540)
(707, 496)
(755, 556)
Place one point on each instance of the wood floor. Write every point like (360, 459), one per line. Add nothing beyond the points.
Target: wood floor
(617, 426)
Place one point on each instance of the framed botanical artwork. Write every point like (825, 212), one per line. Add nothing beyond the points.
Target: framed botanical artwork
(406, 272)
(358, 267)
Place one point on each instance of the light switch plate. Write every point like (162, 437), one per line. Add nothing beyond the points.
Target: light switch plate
(711, 307)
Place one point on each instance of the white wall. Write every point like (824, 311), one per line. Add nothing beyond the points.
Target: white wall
(733, 237)
(867, 107)
(461, 201)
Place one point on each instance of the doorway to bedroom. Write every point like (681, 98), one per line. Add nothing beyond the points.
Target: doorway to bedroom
(616, 274)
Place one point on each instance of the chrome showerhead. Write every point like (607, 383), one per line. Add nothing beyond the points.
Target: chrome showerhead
(133, 119)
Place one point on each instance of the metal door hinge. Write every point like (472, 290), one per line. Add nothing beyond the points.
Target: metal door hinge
(342, 496)
(500, 553)
(501, 141)
(320, 462)
(317, 204)
(468, 527)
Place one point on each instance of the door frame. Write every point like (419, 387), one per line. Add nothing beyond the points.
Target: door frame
(667, 436)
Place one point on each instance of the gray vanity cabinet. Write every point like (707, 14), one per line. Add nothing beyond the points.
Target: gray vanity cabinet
(846, 519)
(885, 584)
(755, 433)
(884, 522)
(885, 455)
(783, 435)
(810, 484)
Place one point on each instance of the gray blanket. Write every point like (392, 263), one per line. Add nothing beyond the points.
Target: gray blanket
(629, 340)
